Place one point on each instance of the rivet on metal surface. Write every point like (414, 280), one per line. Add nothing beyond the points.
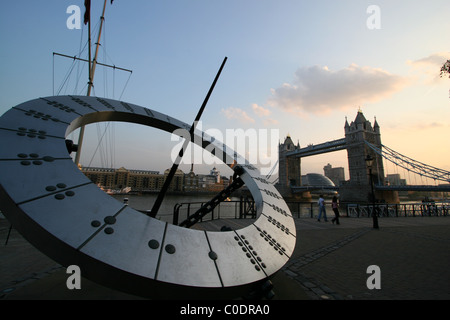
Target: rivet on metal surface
(212, 255)
(153, 244)
(59, 196)
(50, 188)
(27, 162)
(110, 220)
(109, 230)
(95, 223)
(170, 249)
(70, 193)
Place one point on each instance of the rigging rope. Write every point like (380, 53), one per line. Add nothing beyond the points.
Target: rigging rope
(108, 135)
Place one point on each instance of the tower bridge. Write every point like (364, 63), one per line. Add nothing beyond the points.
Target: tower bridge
(311, 150)
(362, 139)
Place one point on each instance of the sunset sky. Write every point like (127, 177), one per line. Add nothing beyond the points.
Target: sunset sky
(300, 67)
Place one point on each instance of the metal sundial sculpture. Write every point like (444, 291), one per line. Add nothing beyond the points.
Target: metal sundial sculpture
(65, 215)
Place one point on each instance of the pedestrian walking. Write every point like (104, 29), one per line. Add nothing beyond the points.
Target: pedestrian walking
(335, 207)
(321, 204)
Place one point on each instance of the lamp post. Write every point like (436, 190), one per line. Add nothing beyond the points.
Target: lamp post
(369, 162)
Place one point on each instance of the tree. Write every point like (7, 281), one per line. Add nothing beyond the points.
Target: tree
(445, 68)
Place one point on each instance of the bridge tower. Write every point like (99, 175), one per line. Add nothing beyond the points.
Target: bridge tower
(356, 134)
(289, 168)
(357, 189)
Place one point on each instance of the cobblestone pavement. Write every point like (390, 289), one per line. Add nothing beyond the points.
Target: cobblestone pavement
(413, 255)
(329, 262)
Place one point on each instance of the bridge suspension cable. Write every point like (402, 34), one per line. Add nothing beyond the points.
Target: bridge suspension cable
(410, 164)
(272, 170)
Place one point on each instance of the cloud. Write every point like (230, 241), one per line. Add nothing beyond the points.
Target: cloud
(430, 66)
(264, 113)
(417, 126)
(269, 122)
(433, 60)
(237, 114)
(320, 90)
(260, 111)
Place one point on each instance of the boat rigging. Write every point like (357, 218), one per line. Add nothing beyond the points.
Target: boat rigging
(92, 63)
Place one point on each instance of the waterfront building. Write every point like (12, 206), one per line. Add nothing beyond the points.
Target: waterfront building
(337, 175)
(394, 180)
(152, 181)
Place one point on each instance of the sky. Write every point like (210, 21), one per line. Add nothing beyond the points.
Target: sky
(298, 68)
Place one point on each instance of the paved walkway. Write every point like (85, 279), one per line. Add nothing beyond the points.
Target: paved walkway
(413, 254)
(329, 262)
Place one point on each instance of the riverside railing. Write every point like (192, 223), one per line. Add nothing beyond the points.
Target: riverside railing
(237, 209)
(244, 209)
(400, 209)
(234, 209)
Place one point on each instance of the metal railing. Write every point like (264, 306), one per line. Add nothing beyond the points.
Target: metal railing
(244, 209)
(302, 209)
(399, 209)
(235, 209)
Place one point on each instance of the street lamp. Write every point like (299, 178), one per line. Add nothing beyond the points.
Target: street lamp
(369, 162)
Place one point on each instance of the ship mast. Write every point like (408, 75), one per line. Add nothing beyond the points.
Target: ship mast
(92, 64)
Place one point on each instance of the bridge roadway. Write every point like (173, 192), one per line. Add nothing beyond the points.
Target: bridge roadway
(325, 147)
(330, 262)
(439, 188)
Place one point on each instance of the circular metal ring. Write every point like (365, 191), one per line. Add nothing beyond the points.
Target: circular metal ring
(62, 213)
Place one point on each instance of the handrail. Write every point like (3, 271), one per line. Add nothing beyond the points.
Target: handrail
(238, 209)
(399, 209)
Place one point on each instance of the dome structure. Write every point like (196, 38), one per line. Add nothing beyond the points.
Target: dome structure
(315, 179)
(318, 180)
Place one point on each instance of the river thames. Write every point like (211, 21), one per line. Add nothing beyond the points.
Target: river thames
(145, 202)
